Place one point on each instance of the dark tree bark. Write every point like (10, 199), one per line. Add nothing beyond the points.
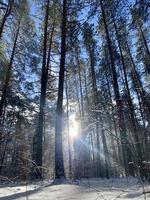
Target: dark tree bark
(6, 15)
(38, 138)
(77, 93)
(8, 74)
(80, 82)
(122, 128)
(90, 47)
(134, 126)
(50, 45)
(96, 100)
(112, 124)
(144, 40)
(138, 85)
(59, 164)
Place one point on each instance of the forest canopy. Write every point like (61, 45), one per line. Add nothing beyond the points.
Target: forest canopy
(74, 89)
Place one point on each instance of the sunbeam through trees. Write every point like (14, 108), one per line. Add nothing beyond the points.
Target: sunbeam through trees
(74, 90)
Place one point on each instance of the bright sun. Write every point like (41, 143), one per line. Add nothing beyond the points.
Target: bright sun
(74, 126)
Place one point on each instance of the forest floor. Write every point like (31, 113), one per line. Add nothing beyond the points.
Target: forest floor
(86, 189)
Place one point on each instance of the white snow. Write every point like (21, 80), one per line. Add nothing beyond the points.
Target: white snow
(92, 189)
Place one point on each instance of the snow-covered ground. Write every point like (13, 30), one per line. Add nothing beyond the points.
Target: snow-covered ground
(92, 189)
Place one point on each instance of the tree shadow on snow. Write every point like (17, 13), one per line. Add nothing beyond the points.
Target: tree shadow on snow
(20, 195)
(133, 195)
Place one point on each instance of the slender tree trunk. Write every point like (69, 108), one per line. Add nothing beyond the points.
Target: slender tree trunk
(80, 83)
(6, 15)
(106, 155)
(144, 106)
(130, 104)
(94, 156)
(5, 144)
(112, 121)
(8, 74)
(138, 85)
(50, 45)
(144, 40)
(93, 165)
(85, 85)
(96, 101)
(59, 164)
(68, 131)
(48, 72)
(38, 138)
(122, 127)
(77, 93)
